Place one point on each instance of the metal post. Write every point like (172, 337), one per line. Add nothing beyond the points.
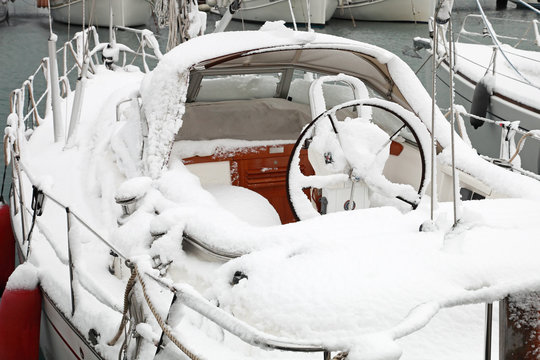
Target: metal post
(55, 90)
(21, 196)
(452, 59)
(292, 16)
(77, 103)
(489, 330)
(433, 107)
(308, 4)
(70, 259)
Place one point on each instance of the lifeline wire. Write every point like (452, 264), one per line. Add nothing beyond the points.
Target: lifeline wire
(433, 94)
(497, 43)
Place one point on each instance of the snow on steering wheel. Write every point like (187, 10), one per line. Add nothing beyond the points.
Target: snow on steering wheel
(350, 155)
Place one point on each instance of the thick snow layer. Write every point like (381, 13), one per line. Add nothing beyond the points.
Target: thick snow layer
(351, 290)
(25, 277)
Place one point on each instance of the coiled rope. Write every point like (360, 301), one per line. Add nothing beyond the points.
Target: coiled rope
(135, 275)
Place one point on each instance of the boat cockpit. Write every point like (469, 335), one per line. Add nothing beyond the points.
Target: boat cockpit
(327, 123)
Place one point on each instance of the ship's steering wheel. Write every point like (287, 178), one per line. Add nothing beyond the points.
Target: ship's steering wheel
(328, 124)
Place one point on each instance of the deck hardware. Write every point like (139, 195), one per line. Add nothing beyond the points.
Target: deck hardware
(349, 205)
(237, 277)
(128, 207)
(93, 336)
(38, 199)
(37, 206)
(70, 261)
(328, 159)
(489, 330)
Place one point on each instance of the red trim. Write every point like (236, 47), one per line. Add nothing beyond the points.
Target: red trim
(60, 335)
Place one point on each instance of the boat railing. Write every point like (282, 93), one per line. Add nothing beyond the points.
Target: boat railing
(29, 213)
(524, 31)
(31, 108)
(509, 129)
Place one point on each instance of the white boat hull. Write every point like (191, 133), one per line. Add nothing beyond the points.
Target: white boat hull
(126, 12)
(387, 10)
(486, 139)
(267, 10)
(58, 338)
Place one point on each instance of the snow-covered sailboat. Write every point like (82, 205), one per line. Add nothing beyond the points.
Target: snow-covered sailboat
(158, 207)
(386, 10)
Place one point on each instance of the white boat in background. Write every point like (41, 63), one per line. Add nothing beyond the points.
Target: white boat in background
(318, 13)
(533, 3)
(258, 194)
(501, 82)
(97, 12)
(386, 10)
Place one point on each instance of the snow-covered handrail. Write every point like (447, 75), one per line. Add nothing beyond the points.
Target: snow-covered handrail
(73, 213)
(18, 193)
(497, 43)
(416, 319)
(193, 300)
(72, 54)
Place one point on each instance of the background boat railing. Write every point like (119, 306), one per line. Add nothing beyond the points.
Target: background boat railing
(522, 32)
(505, 159)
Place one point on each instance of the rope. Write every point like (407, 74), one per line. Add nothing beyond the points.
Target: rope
(129, 286)
(520, 145)
(164, 327)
